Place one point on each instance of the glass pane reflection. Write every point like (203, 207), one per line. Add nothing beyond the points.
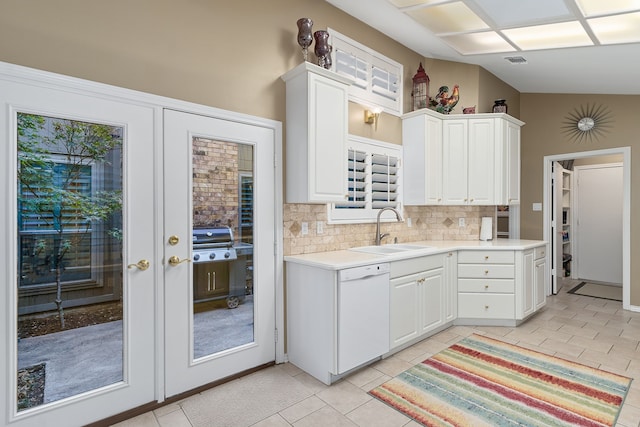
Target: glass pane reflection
(223, 246)
(69, 258)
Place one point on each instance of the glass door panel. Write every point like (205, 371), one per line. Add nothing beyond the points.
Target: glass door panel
(223, 310)
(70, 282)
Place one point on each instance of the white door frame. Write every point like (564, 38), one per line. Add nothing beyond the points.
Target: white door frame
(626, 209)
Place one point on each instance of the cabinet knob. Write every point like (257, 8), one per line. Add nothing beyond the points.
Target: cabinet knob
(486, 257)
(486, 272)
(486, 287)
(471, 200)
(542, 253)
(486, 307)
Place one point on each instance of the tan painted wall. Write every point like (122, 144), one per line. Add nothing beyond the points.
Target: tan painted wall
(543, 136)
(217, 54)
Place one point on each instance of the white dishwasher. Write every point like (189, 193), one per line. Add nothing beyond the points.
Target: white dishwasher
(363, 315)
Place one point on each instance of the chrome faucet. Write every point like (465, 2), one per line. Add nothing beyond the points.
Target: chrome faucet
(379, 236)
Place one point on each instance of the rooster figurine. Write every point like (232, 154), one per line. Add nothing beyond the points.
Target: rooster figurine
(444, 102)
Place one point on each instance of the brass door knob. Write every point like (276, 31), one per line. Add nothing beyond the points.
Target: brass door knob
(143, 264)
(175, 260)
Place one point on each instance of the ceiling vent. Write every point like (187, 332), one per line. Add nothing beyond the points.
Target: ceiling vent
(516, 59)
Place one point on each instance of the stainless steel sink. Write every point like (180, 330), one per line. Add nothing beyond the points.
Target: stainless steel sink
(390, 249)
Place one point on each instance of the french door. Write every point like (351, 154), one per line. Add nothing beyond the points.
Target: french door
(102, 308)
(218, 173)
(78, 234)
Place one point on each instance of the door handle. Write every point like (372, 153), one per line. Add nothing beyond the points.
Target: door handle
(175, 260)
(143, 264)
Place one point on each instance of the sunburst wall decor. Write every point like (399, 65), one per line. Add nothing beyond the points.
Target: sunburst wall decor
(587, 123)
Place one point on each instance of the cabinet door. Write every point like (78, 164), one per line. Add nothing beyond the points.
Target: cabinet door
(450, 286)
(454, 164)
(404, 314)
(328, 112)
(316, 128)
(432, 297)
(539, 280)
(481, 162)
(513, 163)
(422, 145)
(526, 285)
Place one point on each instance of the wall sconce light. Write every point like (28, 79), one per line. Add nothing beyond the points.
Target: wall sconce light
(371, 117)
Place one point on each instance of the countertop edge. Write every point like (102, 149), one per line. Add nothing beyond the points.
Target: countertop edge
(341, 259)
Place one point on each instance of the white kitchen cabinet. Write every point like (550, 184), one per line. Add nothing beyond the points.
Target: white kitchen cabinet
(316, 134)
(422, 145)
(500, 287)
(451, 286)
(337, 320)
(526, 305)
(461, 159)
(486, 285)
(507, 160)
(540, 275)
(418, 299)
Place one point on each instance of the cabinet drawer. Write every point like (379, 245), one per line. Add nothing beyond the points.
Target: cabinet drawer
(416, 265)
(486, 257)
(498, 286)
(540, 252)
(486, 306)
(492, 271)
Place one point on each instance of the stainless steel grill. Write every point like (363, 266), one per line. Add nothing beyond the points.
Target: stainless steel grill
(213, 244)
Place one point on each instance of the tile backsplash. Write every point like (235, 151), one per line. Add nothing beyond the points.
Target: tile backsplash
(427, 223)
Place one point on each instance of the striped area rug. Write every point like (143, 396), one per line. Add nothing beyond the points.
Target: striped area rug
(481, 381)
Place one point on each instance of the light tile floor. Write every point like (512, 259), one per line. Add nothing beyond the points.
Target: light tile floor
(591, 331)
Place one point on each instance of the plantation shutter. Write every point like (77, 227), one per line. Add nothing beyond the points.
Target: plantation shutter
(384, 83)
(377, 80)
(79, 183)
(384, 176)
(352, 66)
(357, 185)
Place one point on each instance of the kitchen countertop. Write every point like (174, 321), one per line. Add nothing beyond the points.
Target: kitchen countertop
(337, 260)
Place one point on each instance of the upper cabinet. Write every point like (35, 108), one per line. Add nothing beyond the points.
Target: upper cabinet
(461, 159)
(316, 135)
(422, 147)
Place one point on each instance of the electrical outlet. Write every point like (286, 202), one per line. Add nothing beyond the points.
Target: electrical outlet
(409, 223)
(319, 227)
(461, 222)
(305, 228)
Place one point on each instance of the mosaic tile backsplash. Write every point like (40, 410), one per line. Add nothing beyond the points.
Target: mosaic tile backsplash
(427, 223)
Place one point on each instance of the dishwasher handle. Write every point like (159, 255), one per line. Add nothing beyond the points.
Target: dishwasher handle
(358, 273)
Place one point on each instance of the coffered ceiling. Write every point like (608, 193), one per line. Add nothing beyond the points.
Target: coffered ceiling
(536, 46)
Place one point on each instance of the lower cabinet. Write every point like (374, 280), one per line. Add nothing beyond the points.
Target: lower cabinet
(500, 287)
(420, 298)
(539, 277)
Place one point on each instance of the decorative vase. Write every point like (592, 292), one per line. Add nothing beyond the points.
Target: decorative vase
(500, 106)
(322, 48)
(305, 37)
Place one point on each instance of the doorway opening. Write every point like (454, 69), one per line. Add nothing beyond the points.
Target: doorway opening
(552, 231)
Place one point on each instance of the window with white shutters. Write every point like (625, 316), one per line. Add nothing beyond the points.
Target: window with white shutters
(374, 181)
(377, 79)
